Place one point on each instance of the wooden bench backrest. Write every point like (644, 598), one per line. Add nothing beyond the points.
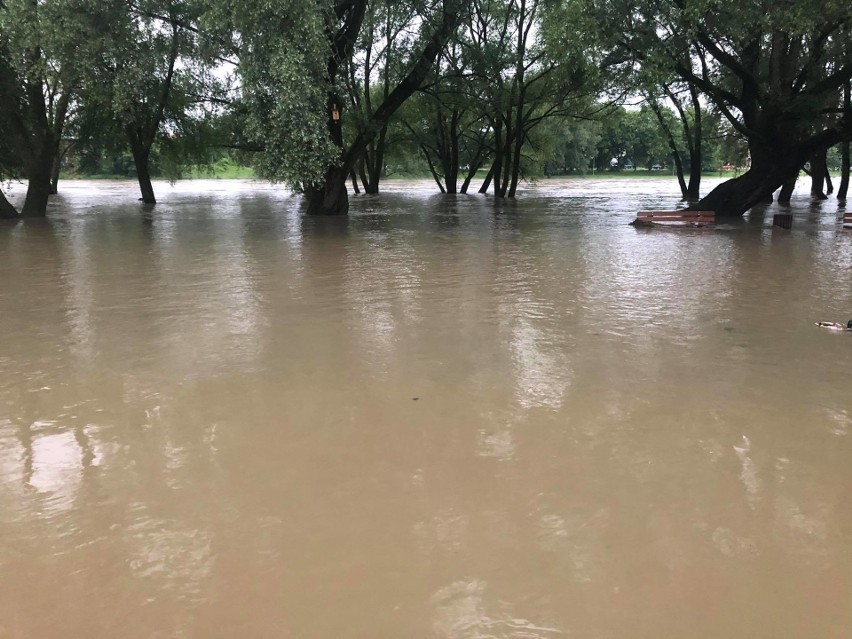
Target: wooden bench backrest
(847, 219)
(677, 216)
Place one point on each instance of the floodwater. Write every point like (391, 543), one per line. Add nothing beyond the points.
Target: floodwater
(437, 418)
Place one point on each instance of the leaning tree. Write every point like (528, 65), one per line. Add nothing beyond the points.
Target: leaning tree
(774, 70)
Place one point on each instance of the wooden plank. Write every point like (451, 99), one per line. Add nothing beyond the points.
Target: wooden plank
(847, 219)
(677, 214)
(700, 217)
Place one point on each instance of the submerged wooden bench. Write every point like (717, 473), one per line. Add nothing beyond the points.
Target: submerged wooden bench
(699, 218)
(847, 219)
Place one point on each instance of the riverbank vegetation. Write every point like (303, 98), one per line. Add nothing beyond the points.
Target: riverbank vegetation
(333, 97)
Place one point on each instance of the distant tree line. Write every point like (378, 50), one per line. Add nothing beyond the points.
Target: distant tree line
(332, 95)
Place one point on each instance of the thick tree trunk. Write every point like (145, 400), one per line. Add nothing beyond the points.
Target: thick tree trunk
(140, 160)
(7, 211)
(331, 197)
(38, 186)
(770, 168)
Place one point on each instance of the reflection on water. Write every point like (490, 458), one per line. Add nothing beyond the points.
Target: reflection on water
(439, 417)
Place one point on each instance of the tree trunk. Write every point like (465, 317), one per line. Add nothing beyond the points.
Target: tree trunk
(787, 190)
(819, 171)
(693, 191)
(7, 211)
(373, 161)
(472, 168)
(471, 173)
(672, 144)
(432, 169)
(770, 168)
(54, 174)
(497, 166)
(844, 146)
(843, 189)
(330, 197)
(354, 179)
(519, 138)
(361, 167)
(487, 181)
(38, 186)
(140, 159)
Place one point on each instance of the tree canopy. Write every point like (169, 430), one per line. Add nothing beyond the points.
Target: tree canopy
(316, 92)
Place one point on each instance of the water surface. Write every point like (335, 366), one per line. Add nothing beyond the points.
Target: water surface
(438, 417)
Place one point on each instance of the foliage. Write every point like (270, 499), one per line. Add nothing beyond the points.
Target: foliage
(284, 84)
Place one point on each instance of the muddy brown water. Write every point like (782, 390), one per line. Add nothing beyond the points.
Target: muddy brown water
(435, 418)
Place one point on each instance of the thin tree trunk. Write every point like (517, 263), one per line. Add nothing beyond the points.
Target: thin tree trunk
(693, 191)
(487, 181)
(501, 184)
(474, 166)
(818, 172)
(374, 161)
(844, 146)
(354, 179)
(451, 173)
(520, 135)
(54, 174)
(499, 151)
(362, 174)
(432, 168)
(670, 141)
(843, 189)
(787, 190)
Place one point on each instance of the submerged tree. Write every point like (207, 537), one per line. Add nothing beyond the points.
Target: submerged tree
(45, 48)
(774, 71)
(153, 83)
(690, 136)
(293, 60)
(389, 32)
(522, 81)
(448, 123)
